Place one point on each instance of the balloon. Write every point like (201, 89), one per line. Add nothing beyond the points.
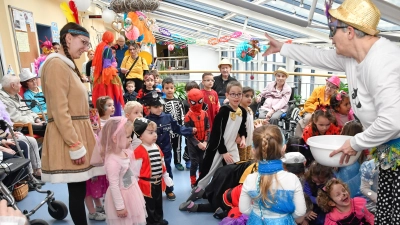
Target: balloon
(108, 16)
(82, 5)
(146, 56)
(171, 47)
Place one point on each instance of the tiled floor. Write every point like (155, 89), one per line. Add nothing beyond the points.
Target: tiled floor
(171, 211)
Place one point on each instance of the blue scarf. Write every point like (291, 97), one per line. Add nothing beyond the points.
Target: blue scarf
(269, 167)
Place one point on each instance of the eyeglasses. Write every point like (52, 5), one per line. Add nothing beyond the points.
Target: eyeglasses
(209, 80)
(333, 28)
(85, 43)
(233, 95)
(331, 86)
(132, 49)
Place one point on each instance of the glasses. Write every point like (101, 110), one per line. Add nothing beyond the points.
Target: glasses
(333, 28)
(209, 80)
(331, 86)
(85, 43)
(233, 95)
(132, 49)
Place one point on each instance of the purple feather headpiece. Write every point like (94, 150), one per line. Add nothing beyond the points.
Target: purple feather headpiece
(328, 6)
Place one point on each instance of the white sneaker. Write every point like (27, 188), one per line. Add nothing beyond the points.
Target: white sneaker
(97, 216)
(100, 209)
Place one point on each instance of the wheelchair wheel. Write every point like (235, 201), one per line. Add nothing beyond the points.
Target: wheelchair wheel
(38, 222)
(61, 210)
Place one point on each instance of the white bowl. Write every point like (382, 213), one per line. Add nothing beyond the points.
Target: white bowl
(322, 146)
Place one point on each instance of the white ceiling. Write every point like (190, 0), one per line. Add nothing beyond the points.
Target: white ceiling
(283, 19)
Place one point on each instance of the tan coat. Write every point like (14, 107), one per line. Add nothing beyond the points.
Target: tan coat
(69, 132)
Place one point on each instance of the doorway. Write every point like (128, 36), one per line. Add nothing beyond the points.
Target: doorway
(43, 32)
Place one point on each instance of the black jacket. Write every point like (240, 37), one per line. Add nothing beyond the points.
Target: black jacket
(220, 84)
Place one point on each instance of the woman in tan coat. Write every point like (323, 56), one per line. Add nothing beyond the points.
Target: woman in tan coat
(69, 140)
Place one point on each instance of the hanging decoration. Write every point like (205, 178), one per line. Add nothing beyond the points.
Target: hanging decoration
(133, 33)
(247, 50)
(171, 47)
(213, 41)
(125, 6)
(236, 34)
(82, 5)
(144, 26)
(170, 43)
(225, 38)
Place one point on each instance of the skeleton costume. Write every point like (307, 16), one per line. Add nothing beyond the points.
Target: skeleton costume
(175, 108)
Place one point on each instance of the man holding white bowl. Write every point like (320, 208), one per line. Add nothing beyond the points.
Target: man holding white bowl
(373, 74)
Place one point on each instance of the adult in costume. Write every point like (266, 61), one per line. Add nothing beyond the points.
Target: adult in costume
(374, 84)
(69, 142)
(106, 81)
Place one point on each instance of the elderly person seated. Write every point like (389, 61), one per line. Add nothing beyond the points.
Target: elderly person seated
(320, 95)
(32, 91)
(277, 95)
(18, 110)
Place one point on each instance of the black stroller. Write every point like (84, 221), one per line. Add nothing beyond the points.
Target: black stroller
(13, 171)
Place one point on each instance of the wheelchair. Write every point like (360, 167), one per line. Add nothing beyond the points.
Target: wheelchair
(288, 120)
(14, 171)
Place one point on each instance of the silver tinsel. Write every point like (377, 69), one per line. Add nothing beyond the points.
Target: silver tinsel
(125, 6)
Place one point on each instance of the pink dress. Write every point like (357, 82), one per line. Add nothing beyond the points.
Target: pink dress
(358, 214)
(123, 192)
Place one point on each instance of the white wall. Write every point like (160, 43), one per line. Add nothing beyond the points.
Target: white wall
(202, 58)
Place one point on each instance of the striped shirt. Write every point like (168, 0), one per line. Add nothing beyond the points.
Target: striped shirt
(155, 160)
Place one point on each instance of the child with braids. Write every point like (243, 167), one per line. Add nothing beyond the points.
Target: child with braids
(334, 199)
(271, 195)
(322, 123)
(315, 178)
(340, 103)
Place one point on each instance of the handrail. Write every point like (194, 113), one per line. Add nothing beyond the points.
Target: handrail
(174, 57)
(244, 72)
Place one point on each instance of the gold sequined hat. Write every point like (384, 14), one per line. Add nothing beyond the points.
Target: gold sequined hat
(360, 14)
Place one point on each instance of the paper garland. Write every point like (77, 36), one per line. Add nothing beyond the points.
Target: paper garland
(211, 41)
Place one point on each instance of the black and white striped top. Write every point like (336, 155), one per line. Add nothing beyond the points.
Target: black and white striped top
(155, 160)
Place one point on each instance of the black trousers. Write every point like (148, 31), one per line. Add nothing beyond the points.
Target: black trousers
(387, 206)
(138, 84)
(196, 158)
(77, 210)
(154, 208)
(186, 151)
(176, 142)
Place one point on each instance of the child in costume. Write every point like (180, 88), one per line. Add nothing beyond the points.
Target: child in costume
(210, 97)
(271, 195)
(133, 110)
(158, 82)
(148, 87)
(106, 80)
(340, 103)
(222, 148)
(124, 202)
(245, 153)
(334, 199)
(97, 186)
(165, 125)
(316, 178)
(153, 176)
(196, 117)
(174, 107)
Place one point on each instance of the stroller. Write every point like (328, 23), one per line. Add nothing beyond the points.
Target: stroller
(13, 171)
